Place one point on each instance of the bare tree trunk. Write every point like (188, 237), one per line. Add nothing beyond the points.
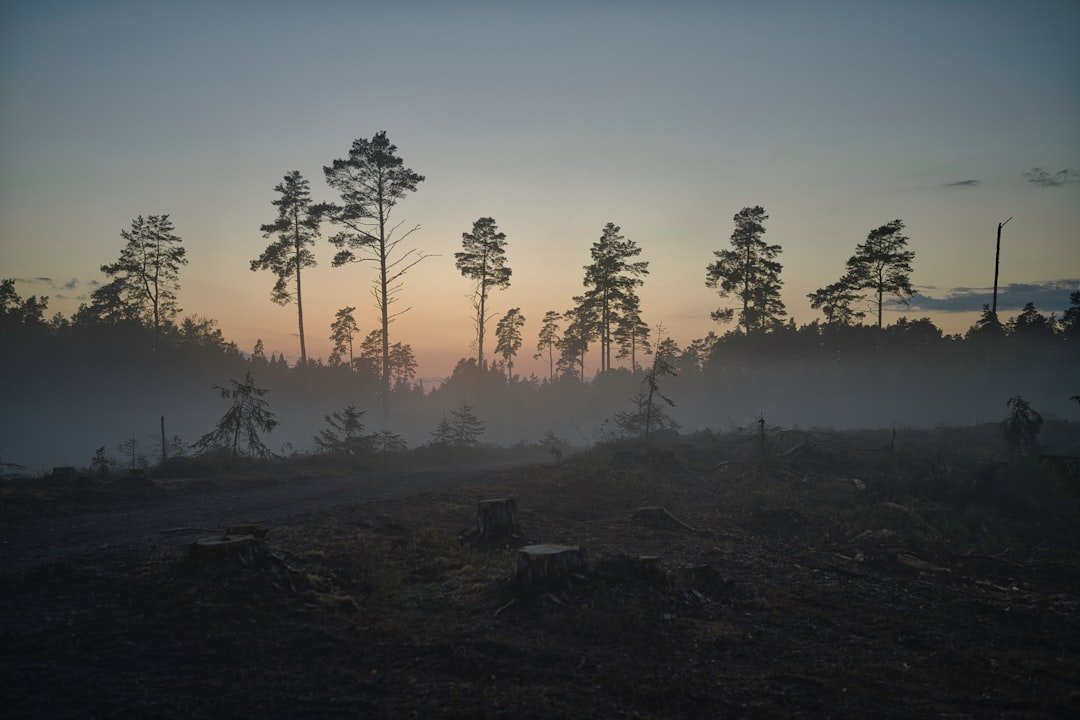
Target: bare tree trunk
(480, 327)
(299, 300)
(385, 309)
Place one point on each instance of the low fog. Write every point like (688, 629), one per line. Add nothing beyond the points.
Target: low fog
(68, 394)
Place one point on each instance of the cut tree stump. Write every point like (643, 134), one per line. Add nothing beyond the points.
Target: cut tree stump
(547, 567)
(247, 557)
(254, 529)
(242, 548)
(649, 566)
(658, 517)
(496, 522)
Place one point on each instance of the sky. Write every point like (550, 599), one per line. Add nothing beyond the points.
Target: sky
(553, 118)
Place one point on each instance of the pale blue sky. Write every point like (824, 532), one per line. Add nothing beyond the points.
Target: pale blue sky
(554, 118)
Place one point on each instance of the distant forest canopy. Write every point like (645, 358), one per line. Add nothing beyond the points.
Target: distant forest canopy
(128, 356)
(72, 385)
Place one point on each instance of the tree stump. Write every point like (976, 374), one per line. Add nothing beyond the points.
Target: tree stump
(254, 529)
(241, 548)
(496, 522)
(648, 566)
(547, 567)
(245, 557)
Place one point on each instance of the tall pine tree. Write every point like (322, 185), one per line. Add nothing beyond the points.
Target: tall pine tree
(146, 276)
(610, 282)
(882, 265)
(750, 273)
(293, 232)
(370, 182)
(508, 338)
(483, 260)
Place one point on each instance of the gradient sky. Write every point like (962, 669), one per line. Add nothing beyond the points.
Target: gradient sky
(554, 118)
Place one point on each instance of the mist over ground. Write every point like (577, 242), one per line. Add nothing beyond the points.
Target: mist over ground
(71, 390)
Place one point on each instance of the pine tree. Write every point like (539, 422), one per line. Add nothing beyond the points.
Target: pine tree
(465, 426)
(387, 442)
(342, 332)
(371, 181)
(882, 265)
(750, 273)
(371, 352)
(238, 429)
(1021, 428)
(146, 276)
(632, 333)
(548, 339)
(1070, 319)
(649, 402)
(836, 303)
(610, 281)
(345, 434)
(443, 434)
(14, 310)
(508, 338)
(294, 232)
(483, 260)
(402, 364)
(580, 331)
(258, 353)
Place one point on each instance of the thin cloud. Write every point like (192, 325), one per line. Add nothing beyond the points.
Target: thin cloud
(1040, 177)
(51, 283)
(963, 183)
(1047, 296)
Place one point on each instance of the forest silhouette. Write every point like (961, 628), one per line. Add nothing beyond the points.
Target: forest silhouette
(127, 358)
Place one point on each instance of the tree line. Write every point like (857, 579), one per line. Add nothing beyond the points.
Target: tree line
(140, 296)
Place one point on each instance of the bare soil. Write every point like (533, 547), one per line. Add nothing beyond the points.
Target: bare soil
(788, 588)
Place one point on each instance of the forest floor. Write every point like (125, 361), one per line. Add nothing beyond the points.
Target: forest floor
(831, 576)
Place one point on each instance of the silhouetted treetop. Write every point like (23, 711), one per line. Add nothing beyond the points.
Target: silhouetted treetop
(483, 260)
(370, 182)
(749, 273)
(294, 232)
(146, 276)
(611, 280)
(882, 265)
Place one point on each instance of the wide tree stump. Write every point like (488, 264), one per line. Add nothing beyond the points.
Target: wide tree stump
(254, 529)
(496, 522)
(649, 566)
(241, 548)
(244, 557)
(547, 567)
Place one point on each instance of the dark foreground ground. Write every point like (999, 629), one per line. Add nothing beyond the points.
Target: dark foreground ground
(843, 579)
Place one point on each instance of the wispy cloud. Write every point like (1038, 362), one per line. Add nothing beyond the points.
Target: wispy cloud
(50, 283)
(1041, 177)
(963, 183)
(1047, 296)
